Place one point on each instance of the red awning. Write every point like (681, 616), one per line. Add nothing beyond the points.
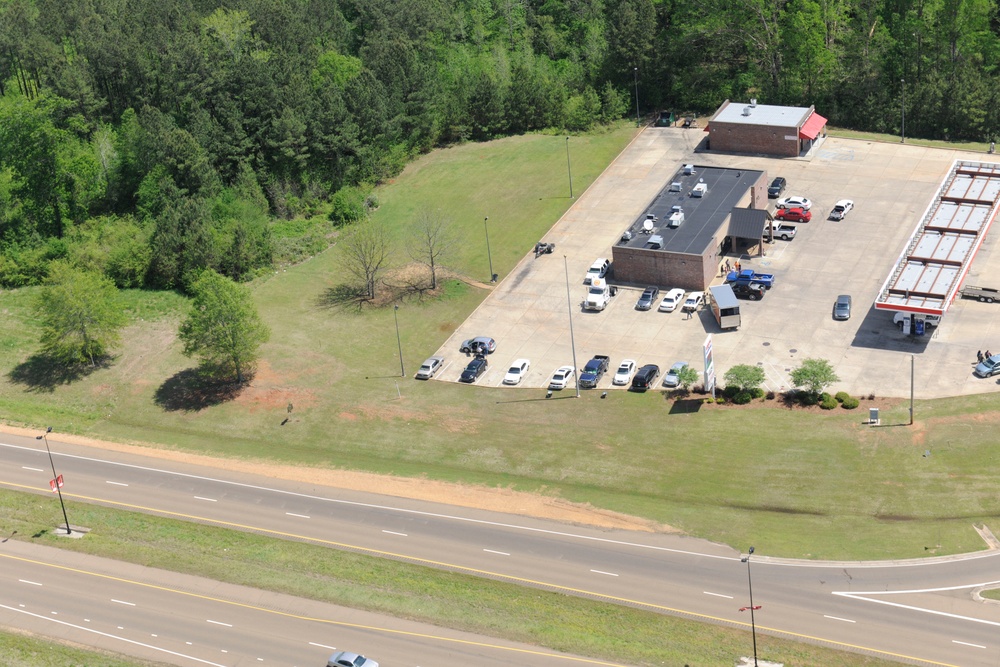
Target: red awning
(810, 129)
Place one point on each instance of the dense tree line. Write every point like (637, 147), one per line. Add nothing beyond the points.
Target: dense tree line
(150, 140)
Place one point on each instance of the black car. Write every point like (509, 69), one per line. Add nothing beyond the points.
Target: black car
(645, 301)
(645, 377)
(475, 368)
(752, 291)
(776, 187)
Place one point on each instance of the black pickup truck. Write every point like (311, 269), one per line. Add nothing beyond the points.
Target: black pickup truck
(593, 371)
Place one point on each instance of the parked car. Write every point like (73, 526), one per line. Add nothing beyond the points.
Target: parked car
(671, 300)
(479, 345)
(431, 366)
(475, 368)
(347, 659)
(600, 268)
(988, 367)
(563, 377)
(624, 373)
(517, 371)
(776, 187)
(793, 214)
(694, 301)
(647, 299)
(785, 232)
(840, 209)
(795, 202)
(672, 378)
(645, 377)
(842, 307)
(928, 320)
(751, 291)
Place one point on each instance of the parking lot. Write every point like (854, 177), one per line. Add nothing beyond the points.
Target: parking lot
(891, 185)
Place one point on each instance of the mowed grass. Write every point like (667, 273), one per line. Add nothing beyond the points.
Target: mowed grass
(581, 626)
(792, 482)
(22, 650)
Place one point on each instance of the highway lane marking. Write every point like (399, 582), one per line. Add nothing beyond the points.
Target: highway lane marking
(838, 618)
(610, 574)
(499, 553)
(115, 483)
(392, 532)
(297, 516)
(332, 648)
(105, 634)
(354, 503)
(863, 595)
(211, 500)
(33, 469)
(130, 604)
(324, 621)
(718, 595)
(485, 573)
(955, 641)
(33, 583)
(228, 625)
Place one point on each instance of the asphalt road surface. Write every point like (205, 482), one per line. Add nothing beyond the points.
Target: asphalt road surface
(922, 612)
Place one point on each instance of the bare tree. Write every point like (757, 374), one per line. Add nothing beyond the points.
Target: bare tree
(366, 250)
(433, 239)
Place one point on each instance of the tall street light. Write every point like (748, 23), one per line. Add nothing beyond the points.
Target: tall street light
(489, 255)
(56, 482)
(572, 340)
(402, 372)
(902, 111)
(569, 170)
(753, 625)
(635, 77)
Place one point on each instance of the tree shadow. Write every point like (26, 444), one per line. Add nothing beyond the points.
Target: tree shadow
(42, 373)
(343, 296)
(192, 389)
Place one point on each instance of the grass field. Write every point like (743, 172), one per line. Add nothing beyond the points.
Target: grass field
(498, 609)
(791, 482)
(19, 650)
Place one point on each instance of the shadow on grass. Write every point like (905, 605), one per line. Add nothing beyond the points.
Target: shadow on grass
(191, 390)
(42, 373)
(342, 296)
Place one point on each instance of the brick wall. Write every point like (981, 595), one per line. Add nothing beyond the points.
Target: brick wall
(769, 140)
(641, 267)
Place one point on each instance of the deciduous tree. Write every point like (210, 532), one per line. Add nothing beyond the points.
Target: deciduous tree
(366, 252)
(744, 377)
(433, 238)
(814, 375)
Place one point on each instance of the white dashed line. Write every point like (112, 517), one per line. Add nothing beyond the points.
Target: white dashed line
(33, 469)
(838, 618)
(392, 532)
(228, 625)
(499, 553)
(297, 516)
(115, 483)
(33, 583)
(332, 648)
(211, 500)
(718, 595)
(130, 604)
(610, 574)
(955, 641)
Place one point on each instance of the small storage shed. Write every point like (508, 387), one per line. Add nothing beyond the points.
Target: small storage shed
(764, 128)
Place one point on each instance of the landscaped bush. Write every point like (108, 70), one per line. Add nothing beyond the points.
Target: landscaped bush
(730, 392)
(827, 402)
(770, 396)
(849, 403)
(842, 396)
(742, 398)
(806, 398)
(757, 393)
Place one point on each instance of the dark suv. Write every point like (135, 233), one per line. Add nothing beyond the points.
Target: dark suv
(776, 187)
(645, 377)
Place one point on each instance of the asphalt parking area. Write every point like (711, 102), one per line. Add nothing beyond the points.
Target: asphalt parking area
(891, 185)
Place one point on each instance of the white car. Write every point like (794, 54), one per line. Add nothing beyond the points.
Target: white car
(671, 300)
(517, 371)
(840, 209)
(694, 301)
(625, 371)
(795, 202)
(563, 377)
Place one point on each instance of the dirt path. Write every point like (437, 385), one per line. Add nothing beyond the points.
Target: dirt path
(462, 495)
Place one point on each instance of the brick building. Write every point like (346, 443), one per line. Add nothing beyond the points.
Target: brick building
(765, 129)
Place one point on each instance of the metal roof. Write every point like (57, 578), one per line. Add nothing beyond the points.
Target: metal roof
(702, 215)
(748, 223)
(762, 114)
(937, 257)
(724, 296)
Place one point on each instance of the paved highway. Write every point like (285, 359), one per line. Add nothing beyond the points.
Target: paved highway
(921, 612)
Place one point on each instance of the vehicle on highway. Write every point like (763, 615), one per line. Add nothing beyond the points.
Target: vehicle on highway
(563, 377)
(793, 214)
(624, 373)
(673, 378)
(517, 371)
(785, 232)
(475, 368)
(599, 269)
(645, 377)
(795, 202)
(842, 307)
(479, 344)
(647, 299)
(348, 659)
(671, 300)
(841, 209)
(431, 366)
(776, 187)
(694, 301)
(988, 367)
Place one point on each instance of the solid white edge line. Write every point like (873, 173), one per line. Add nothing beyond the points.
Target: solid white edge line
(912, 608)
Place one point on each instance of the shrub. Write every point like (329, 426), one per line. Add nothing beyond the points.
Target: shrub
(730, 391)
(842, 396)
(871, 396)
(757, 393)
(849, 403)
(770, 395)
(808, 398)
(720, 400)
(742, 398)
(827, 402)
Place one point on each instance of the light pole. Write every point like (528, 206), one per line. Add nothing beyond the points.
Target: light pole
(635, 77)
(572, 340)
(753, 625)
(55, 478)
(489, 255)
(569, 170)
(902, 111)
(399, 344)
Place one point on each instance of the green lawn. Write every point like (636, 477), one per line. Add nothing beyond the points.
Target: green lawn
(792, 482)
(20, 650)
(497, 609)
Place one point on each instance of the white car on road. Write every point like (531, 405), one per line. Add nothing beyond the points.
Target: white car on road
(671, 300)
(625, 371)
(517, 371)
(795, 202)
(563, 377)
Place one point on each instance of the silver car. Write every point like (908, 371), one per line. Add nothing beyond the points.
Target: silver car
(429, 368)
(842, 308)
(988, 367)
(348, 659)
